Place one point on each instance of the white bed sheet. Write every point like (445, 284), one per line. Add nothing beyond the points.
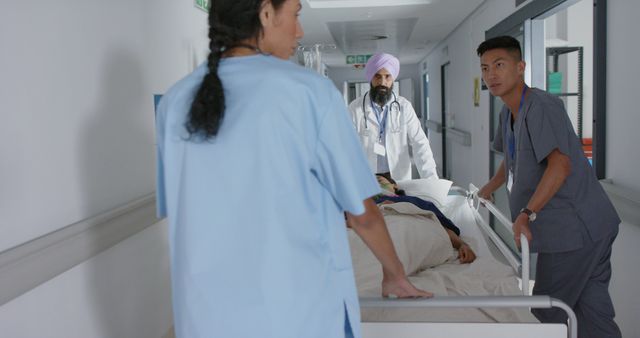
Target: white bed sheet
(458, 210)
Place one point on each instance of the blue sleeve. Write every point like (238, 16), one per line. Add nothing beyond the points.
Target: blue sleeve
(161, 204)
(549, 128)
(341, 166)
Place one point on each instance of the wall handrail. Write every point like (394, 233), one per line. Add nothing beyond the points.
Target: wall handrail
(461, 136)
(26, 266)
(433, 125)
(543, 302)
(625, 200)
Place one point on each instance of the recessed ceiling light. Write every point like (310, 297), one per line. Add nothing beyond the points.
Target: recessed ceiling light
(364, 3)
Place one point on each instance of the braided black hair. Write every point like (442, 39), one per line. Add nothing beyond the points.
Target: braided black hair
(230, 22)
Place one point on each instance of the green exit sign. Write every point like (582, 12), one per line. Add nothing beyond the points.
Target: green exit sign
(204, 5)
(358, 59)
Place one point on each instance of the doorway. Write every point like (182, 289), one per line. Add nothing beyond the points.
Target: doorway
(446, 143)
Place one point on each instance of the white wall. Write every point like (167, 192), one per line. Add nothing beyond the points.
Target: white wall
(76, 92)
(73, 78)
(77, 139)
(623, 119)
(580, 33)
(177, 41)
(622, 160)
(459, 49)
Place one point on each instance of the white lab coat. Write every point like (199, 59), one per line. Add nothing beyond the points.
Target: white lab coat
(403, 130)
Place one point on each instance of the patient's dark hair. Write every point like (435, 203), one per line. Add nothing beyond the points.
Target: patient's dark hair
(392, 181)
(230, 21)
(508, 43)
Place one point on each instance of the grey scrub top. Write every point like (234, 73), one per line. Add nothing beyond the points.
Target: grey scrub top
(580, 210)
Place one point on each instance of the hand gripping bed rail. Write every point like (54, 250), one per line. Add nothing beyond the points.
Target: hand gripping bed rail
(539, 302)
(520, 265)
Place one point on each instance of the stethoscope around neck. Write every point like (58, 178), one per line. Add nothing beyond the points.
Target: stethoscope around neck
(364, 111)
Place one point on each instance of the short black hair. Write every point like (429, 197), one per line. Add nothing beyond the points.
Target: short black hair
(509, 43)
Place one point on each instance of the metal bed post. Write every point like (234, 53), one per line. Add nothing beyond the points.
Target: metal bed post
(539, 302)
(522, 267)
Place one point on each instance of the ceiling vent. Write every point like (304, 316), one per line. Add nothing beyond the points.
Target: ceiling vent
(370, 36)
(364, 3)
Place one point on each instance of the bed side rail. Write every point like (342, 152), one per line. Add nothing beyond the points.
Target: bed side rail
(539, 302)
(521, 265)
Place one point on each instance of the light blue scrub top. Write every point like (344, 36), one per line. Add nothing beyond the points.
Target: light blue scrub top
(257, 234)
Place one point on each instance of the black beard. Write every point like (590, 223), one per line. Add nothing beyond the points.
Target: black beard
(381, 94)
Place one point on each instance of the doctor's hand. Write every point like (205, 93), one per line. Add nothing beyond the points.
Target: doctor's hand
(521, 226)
(402, 288)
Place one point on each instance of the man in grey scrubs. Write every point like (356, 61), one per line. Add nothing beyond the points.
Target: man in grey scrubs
(555, 199)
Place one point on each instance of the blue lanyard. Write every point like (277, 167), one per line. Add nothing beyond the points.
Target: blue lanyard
(512, 138)
(382, 122)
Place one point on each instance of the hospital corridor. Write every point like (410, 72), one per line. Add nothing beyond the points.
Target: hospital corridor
(446, 117)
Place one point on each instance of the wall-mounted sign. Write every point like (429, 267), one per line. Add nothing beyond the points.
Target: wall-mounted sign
(358, 59)
(204, 5)
(476, 91)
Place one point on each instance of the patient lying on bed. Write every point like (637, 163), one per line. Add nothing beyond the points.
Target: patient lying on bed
(424, 240)
(391, 194)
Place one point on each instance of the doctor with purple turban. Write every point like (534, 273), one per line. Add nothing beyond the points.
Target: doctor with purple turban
(387, 125)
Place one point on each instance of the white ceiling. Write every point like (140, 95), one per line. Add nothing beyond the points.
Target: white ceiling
(411, 27)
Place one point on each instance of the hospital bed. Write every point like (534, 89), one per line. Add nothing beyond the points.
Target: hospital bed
(487, 298)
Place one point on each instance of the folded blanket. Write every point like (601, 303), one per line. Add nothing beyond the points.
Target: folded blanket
(419, 239)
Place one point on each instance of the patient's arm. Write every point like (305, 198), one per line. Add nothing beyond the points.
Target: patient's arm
(465, 254)
(371, 227)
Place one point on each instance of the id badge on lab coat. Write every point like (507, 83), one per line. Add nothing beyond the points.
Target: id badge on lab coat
(379, 149)
(510, 180)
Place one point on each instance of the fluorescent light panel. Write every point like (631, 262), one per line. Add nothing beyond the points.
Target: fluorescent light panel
(364, 3)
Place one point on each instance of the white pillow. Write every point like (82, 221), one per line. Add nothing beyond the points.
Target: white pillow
(420, 242)
(429, 189)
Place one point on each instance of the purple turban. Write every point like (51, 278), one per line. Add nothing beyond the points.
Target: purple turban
(379, 61)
